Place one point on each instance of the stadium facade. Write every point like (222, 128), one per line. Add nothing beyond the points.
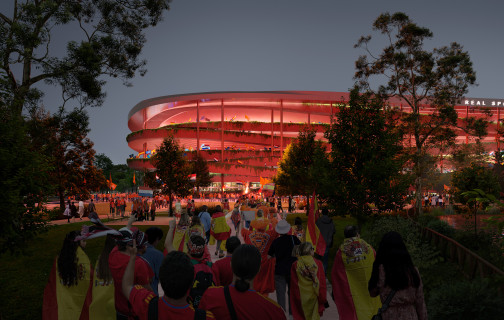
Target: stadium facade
(243, 134)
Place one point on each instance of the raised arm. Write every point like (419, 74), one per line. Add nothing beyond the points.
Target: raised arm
(131, 219)
(169, 237)
(129, 273)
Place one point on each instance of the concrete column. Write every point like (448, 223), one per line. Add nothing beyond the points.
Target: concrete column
(467, 117)
(197, 128)
(497, 127)
(281, 128)
(272, 131)
(222, 145)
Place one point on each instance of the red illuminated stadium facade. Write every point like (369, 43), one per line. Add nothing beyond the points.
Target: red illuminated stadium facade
(243, 134)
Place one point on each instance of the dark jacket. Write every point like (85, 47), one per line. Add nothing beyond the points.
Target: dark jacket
(326, 227)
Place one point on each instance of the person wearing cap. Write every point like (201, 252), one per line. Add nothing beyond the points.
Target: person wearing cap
(282, 248)
(118, 260)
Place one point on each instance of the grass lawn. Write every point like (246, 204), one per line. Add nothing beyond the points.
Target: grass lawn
(24, 277)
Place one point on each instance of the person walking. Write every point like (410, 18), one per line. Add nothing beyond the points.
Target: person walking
(240, 296)
(220, 231)
(81, 209)
(308, 294)
(206, 220)
(67, 293)
(282, 248)
(326, 227)
(395, 276)
(350, 274)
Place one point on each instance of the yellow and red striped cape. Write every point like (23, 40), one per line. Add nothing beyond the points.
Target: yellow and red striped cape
(350, 275)
(62, 302)
(308, 292)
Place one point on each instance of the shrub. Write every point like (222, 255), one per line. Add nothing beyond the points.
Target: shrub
(56, 214)
(442, 227)
(483, 244)
(426, 218)
(422, 254)
(477, 299)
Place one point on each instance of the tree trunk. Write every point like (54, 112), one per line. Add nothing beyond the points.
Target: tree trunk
(61, 198)
(419, 198)
(307, 205)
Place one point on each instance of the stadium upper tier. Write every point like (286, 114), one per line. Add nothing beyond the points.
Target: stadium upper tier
(242, 134)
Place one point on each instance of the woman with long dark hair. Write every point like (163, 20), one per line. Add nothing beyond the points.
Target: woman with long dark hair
(244, 301)
(67, 293)
(395, 277)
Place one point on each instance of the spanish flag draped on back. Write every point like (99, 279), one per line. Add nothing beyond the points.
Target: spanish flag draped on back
(313, 234)
(63, 302)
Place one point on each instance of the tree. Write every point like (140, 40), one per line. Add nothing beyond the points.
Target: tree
(479, 200)
(418, 77)
(109, 36)
(474, 177)
(200, 168)
(23, 180)
(62, 137)
(367, 157)
(303, 166)
(103, 163)
(172, 171)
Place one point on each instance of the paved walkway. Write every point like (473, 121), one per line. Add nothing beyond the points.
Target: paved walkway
(163, 219)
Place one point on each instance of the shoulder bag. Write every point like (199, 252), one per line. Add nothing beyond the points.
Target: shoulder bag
(384, 306)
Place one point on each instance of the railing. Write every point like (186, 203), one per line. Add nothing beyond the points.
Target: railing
(470, 263)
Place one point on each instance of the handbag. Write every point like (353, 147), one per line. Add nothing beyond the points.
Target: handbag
(384, 307)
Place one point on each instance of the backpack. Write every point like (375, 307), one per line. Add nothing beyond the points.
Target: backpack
(202, 280)
(153, 313)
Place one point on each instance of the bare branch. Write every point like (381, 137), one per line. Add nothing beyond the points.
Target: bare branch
(5, 19)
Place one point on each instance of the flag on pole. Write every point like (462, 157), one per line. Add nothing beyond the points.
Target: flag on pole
(246, 117)
(192, 177)
(313, 235)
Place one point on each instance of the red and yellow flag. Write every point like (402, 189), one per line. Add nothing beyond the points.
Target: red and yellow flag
(313, 234)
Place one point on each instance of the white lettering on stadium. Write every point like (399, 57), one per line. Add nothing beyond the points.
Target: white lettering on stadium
(484, 103)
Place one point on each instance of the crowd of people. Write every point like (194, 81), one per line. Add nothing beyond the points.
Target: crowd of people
(263, 254)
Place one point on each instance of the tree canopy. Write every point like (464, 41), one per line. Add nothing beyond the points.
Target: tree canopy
(367, 157)
(200, 167)
(62, 137)
(108, 39)
(303, 166)
(23, 180)
(172, 171)
(419, 77)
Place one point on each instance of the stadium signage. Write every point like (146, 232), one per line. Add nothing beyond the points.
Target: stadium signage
(483, 102)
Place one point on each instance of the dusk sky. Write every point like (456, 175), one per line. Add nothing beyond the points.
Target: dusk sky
(269, 45)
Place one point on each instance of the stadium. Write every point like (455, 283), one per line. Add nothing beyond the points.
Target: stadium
(243, 134)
